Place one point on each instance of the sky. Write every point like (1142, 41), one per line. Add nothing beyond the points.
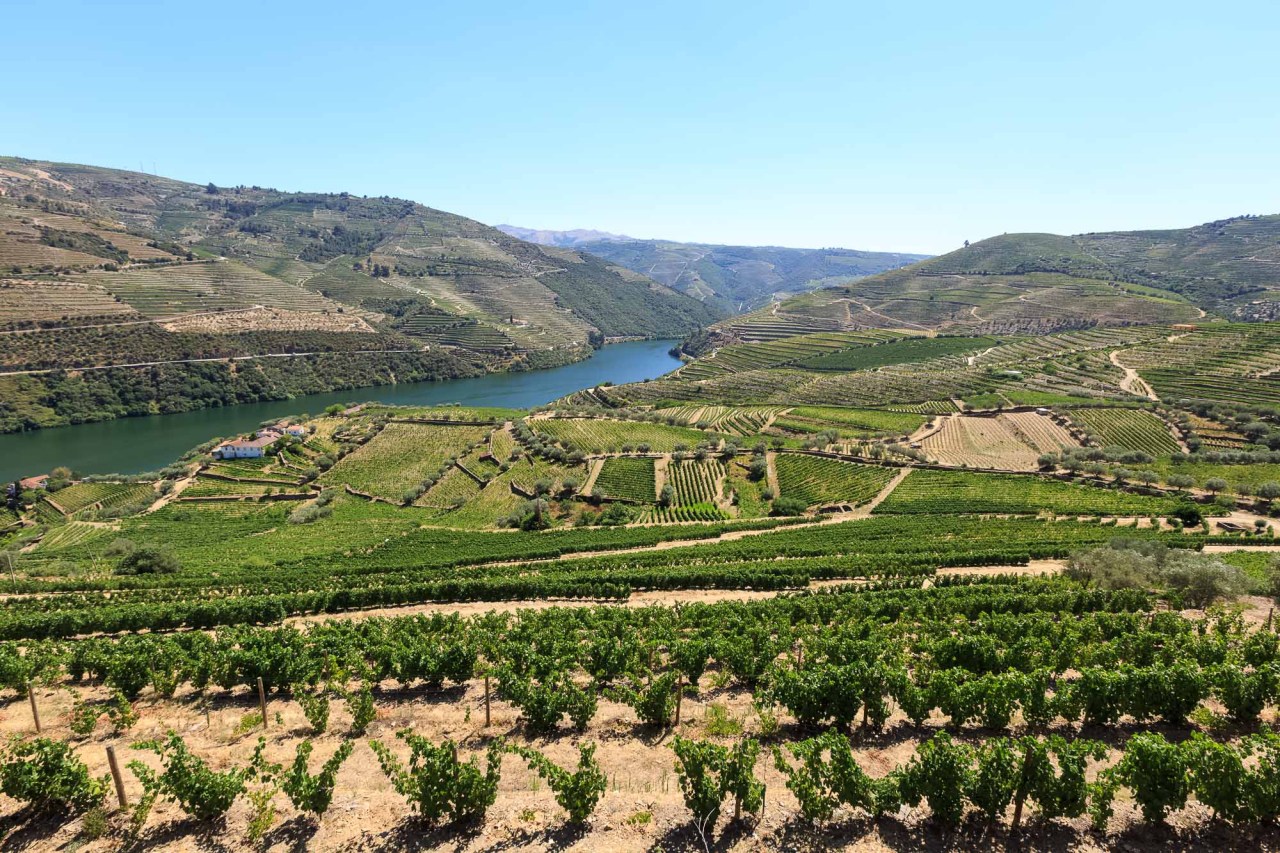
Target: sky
(889, 126)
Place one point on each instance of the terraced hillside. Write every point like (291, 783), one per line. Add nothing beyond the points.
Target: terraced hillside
(1033, 283)
(87, 246)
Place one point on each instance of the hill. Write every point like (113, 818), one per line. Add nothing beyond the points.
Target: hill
(1038, 283)
(564, 239)
(734, 279)
(94, 262)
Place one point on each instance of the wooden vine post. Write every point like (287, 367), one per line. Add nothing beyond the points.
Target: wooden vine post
(116, 777)
(262, 702)
(1020, 795)
(486, 700)
(35, 709)
(679, 695)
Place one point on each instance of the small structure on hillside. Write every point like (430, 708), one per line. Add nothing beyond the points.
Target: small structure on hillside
(287, 427)
(246, 448)
(39, 481)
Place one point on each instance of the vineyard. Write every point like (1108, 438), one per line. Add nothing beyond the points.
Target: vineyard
(986, 442)
(627, 478)
(402, 455)
(1132, 429)
(765, 602)
(599, 435)
(696, 482)
(965, 700)
(947, 492)
(815, 480)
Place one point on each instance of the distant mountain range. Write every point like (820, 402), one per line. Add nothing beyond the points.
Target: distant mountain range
(563, 239)
(732, 279)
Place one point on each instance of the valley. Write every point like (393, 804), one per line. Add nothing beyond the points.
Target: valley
(890, 555)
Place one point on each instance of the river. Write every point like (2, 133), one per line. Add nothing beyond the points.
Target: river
(132, 445)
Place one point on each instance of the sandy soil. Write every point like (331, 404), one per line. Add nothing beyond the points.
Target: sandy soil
(641, 810)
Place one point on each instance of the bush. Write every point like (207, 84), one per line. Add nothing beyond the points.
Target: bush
(146, 560)
(315, 707)
(187, 780)
(709, 773)
(436, 783)
(578, 792)
(363, 711)
(49, 776)
(654, 703)
(313, 793)
(788, 506)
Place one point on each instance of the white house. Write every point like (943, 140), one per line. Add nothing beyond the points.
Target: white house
(245, 448)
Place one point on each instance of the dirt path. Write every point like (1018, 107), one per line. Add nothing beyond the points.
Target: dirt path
(971, 360)
(925, 431)
(660, 466)
(866, 509)
(656, 598)
(1132, 382)
(592, 475)
(873, 312)
(164, 500)
(771, 475)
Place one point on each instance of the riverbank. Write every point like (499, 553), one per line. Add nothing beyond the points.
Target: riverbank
(134, 444)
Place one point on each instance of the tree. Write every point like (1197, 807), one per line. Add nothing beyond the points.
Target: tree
(211, 188)
(668, 496)
(788, 506)
(148, 560)
(1214, 485)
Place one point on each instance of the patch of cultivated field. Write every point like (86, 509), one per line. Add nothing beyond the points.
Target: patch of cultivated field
(1040, 431)
(1132, 429)
(814, 480)
(401, 456)
(599, 435)
(266, 320)
(56, 300)
(976, 442)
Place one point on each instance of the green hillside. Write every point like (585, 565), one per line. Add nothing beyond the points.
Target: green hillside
(1040, 283)
(142, 258)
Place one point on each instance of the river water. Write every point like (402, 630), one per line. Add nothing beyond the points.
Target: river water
(132, 445)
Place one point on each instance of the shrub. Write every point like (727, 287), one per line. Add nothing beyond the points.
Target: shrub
(655, 702)
(788, 506)
(49, 776)
(146, 560)
(709, 773)
(313, 793)
(436, 783)
(360, 704)
(578, 792)
(315, 707)
(187, 780)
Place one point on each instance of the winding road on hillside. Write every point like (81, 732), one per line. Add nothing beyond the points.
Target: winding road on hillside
(1132, 382)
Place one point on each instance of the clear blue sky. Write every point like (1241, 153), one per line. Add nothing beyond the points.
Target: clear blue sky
(907, 126)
